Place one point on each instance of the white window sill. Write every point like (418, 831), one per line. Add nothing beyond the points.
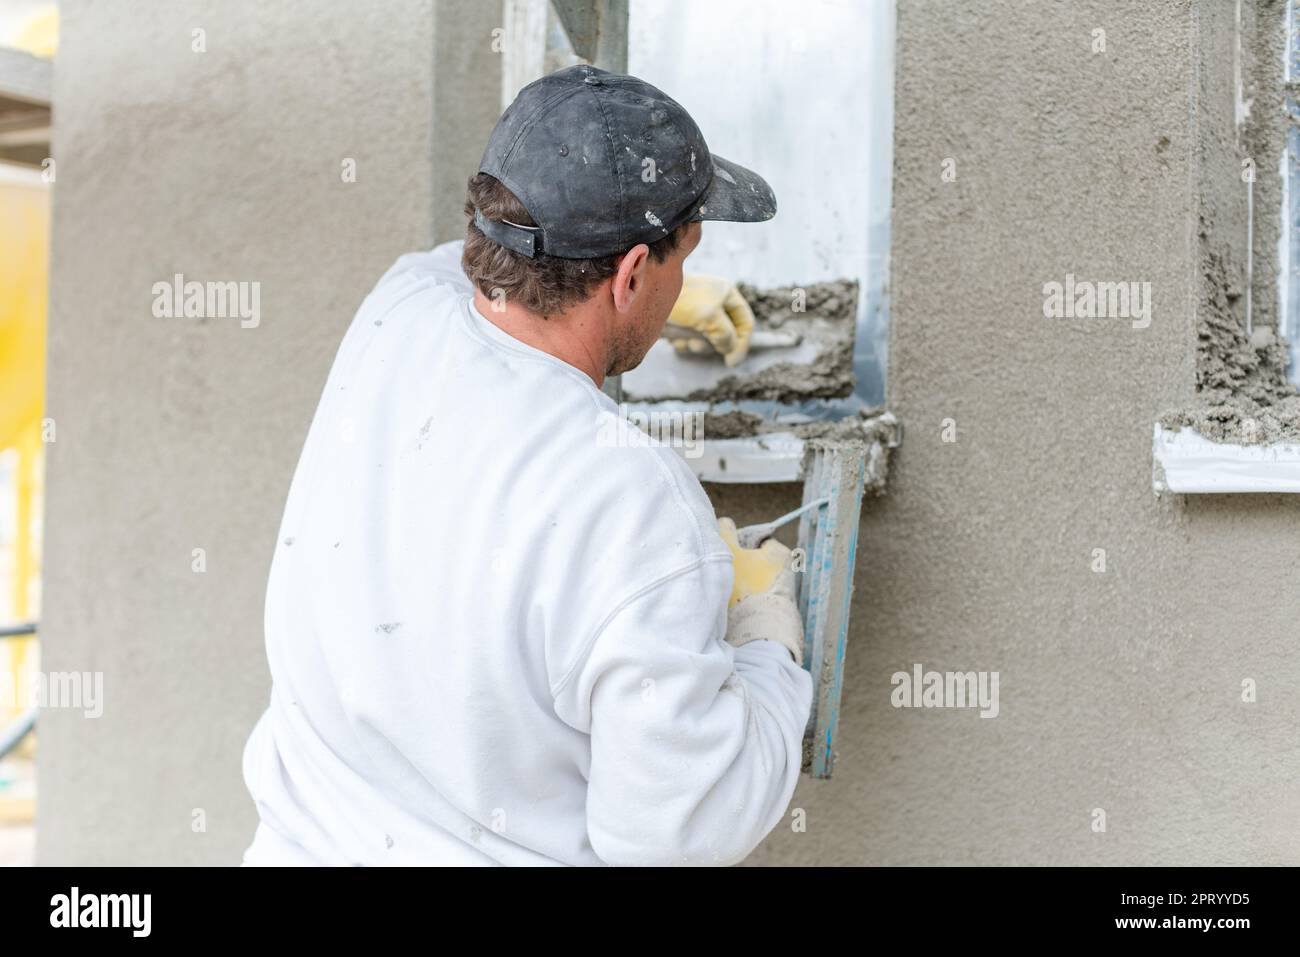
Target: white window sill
(774, 457)
(1186, 462)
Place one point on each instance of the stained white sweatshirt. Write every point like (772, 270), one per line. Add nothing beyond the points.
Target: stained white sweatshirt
(495, 620)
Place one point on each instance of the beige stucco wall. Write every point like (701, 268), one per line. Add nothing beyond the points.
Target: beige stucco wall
(176, 434)
(1119, 690)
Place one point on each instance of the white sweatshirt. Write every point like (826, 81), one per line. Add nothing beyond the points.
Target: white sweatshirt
(495, 635)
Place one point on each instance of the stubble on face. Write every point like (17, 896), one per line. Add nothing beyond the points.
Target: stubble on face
(627, 350)
(634, 340)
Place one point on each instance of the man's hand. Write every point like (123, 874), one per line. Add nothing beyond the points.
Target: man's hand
(763, 602)
(714, 308)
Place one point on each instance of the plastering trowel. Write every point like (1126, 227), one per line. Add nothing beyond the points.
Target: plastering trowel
(834, 479)
(683, 364)
(751, 536)
(694, 343)
(834, 474)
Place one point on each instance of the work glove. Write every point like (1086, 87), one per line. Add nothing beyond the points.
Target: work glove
(714, 308)
(763, 603)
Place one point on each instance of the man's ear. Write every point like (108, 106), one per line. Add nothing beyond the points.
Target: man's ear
(630, 279)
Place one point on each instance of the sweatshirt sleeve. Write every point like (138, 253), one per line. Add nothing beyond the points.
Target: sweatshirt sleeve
(695, 745)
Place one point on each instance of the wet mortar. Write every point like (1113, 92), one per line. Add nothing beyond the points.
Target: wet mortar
(825, 320)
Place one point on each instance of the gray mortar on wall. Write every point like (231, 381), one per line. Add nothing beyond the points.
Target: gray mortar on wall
(826, 321)
(867, 424)
(1118, 688)
(1243, 394)
(830, 309)
(876, 428)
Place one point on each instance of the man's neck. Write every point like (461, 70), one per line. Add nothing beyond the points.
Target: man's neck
(576, 336)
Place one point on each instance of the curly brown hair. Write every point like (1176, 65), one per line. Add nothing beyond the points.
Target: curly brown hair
(544, 285)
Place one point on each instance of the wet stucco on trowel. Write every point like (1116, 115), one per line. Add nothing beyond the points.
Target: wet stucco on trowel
(1243, 395)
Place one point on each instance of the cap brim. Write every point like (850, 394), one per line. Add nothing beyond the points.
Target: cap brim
(736, 195)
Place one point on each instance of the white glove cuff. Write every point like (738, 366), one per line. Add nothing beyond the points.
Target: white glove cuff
(769, 617)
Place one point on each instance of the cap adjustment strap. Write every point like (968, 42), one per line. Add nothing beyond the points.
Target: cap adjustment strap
(525, 240)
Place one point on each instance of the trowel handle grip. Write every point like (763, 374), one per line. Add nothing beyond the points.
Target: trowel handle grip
(761, 339)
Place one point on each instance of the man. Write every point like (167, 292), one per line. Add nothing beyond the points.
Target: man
(497, 636)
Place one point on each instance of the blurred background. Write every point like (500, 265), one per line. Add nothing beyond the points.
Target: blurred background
(28, 42)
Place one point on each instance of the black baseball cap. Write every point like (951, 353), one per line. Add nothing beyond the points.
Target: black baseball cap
(604, 161)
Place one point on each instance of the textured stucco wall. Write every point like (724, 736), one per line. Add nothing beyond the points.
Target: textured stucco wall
(1119, 690)
(176, 434)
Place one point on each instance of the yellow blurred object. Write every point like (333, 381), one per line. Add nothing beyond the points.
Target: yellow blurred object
(714, 307)
(24, 237)
(757, 569)
(24, 242)
(39, 33)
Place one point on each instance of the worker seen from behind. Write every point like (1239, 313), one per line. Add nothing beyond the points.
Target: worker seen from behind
(495, 636)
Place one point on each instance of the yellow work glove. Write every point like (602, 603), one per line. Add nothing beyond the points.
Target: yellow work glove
(714, 308)
(763, 599)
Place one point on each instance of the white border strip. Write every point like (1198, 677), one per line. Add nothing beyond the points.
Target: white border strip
(772, 457)
(12, 174)
(1186, 462)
